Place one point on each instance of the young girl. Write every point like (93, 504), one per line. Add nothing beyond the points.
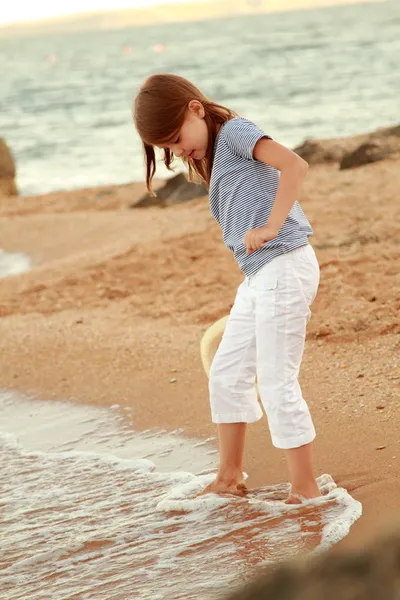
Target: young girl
(253, 184)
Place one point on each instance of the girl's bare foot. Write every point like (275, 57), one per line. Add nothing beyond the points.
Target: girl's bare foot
(298, 498)
(226, 485)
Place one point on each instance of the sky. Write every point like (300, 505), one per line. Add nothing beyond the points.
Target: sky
(27, 10)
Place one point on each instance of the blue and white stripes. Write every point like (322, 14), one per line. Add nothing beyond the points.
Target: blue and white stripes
(242, 193)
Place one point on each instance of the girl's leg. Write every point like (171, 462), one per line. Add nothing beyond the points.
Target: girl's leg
(230, 474)
(233, 395)
(285, 291)
(301, 469)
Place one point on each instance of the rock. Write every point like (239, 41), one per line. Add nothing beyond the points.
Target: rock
(7, 171)
(364, 154)
(175, 190)
(320, 151)
(354, 150)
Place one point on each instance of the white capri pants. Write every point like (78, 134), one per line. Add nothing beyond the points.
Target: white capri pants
(264, 337)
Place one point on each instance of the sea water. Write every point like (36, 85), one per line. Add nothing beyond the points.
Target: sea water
(92, 509)
(13, 263)
(66, 98)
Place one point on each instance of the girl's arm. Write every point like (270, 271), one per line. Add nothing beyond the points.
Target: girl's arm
(293, 169)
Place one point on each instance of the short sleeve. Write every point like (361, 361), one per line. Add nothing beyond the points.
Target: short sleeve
(242, 135)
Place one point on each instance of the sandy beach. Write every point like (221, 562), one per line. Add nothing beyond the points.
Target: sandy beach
(119, 298)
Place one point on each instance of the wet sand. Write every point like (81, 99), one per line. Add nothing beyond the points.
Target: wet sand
(118, 299)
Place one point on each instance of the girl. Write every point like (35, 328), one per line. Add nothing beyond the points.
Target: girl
(253, 183)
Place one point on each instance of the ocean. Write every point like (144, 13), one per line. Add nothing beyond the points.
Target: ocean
(92, 509)
(65, 103)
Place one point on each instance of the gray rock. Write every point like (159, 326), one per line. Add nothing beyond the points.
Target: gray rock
(175, 190)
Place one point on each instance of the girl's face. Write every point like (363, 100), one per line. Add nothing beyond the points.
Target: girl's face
(192, 139)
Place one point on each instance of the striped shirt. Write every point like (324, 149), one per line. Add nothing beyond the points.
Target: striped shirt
(242, 193)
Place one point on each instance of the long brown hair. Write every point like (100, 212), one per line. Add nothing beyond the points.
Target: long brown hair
(159, 112)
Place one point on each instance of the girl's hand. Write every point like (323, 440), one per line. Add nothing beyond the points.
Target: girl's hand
(256, 238)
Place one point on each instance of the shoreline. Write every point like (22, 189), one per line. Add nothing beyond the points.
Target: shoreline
(103, 381)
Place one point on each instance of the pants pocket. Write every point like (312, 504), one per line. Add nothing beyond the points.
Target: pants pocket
(293, 287)
(286, 286)
(265, 285)
(291, 299)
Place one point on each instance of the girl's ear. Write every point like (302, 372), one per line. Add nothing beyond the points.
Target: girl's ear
(196, 107)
